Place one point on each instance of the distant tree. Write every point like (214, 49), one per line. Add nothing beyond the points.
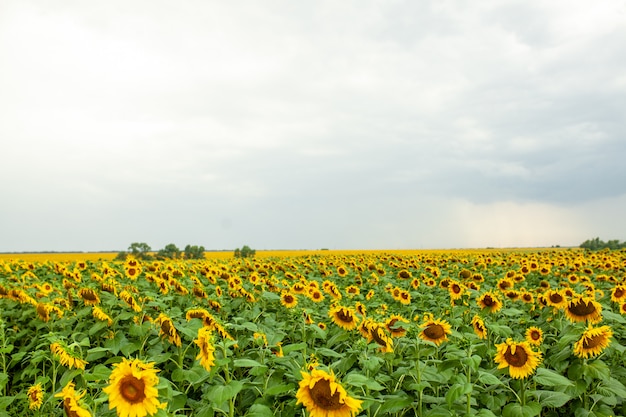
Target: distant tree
(597, 244)
(170, 251)
(244, 252)
(194, 252)
(140, 250)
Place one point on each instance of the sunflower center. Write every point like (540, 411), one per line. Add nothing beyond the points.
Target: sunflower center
(132, 389)
(322, 397)
(456, 288)
(288, 299)
(377, 337)
(488, 301)
(593, 341)
(582, 308)
(434, 331)
(345, 316)
(89, 295)
(556, 298)
(519, 358)
(618, 293)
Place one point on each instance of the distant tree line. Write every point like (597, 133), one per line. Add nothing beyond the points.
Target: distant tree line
(143, 251)
(597, 244)
(244, 252)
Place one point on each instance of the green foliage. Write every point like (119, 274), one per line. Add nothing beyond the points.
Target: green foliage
(597, 244)
(245, 252)
(194, 252)
(139, 250)
(170, 251)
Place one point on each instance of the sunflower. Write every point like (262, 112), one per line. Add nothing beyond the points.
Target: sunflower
(404, 297)
(205, 342)
(89, 296)
(70, 401)
(582, 309)
(392, 325)
(288, 300)
(435, 331)
(593, 341)
(456, 290)
(556, 299)
(323, 396)
(35, 397)
(519, 357)
(132, 389)
(167, 329)
(101, 315)
(479, 327)
(489, 300)
(344, 317)
(66, 358)
(534, 335)
(618, 294)
(376, 333)
(316, 295)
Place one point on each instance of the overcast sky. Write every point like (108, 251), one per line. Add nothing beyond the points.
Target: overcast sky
(311, 124)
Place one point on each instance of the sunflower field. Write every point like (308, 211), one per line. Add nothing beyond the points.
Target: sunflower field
(319, 334)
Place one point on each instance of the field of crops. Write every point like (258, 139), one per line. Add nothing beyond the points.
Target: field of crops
(379, 333)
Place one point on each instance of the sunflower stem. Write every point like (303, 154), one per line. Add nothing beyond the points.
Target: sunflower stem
(522, 383)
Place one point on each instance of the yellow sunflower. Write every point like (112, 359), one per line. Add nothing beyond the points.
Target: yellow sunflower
(323, 396)
(593, 341)
(167, 329)
(101, 315)
(556, 299)
(205, 342)
(436, 331)
(71, 400)
(66, 358)
(89, 296)
(490, 301)
(581, 309)
(344, 317)
(35, 397)
(392, 325)
(534, 335)
(479, 327)
(618, 294)
(288, 300)
(132, 389)
(519, 357)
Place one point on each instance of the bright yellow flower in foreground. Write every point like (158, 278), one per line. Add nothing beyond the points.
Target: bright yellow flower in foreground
(132, 389)
(35, 397)
(323, 396)
(519, 357)
(70, 401)
(582, 309)
(593, 341)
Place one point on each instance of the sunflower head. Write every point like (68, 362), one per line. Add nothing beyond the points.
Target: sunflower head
(593, 342)
(323, 396)
(518, 357)
(132, 389)
(435, 331)
(581, 309)
(534, 336)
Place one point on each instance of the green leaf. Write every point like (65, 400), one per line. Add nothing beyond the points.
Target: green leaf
(457, 391)
(278, 389)
(551, 398)
(616, 387)
(485, 413)
(327, 352)
(222, 393)
(488, 379)
(360, 380)
(98, 373)
(394, 403)
(287, 349)
(246, 363)
(259, 410)
(550, 378)
(517, 410)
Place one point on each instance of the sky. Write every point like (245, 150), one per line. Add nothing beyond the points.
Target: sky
(311, 124)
